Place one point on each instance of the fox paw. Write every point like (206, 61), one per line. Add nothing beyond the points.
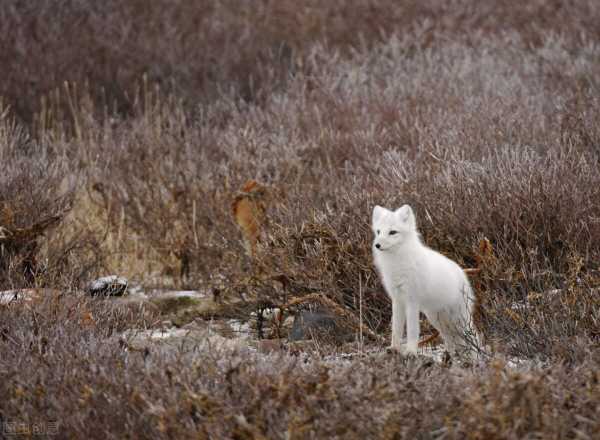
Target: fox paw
(409, 349)
(404, 349)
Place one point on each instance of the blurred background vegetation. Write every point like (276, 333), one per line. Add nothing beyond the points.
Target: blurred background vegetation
(128, 128)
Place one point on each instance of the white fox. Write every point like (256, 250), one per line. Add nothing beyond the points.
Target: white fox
(417, 279)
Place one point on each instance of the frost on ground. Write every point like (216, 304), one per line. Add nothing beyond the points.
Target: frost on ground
(227, 333)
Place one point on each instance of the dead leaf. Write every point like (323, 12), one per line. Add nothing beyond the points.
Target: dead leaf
(87, 319)
(485, 252)
(514, 315)
(249, 208)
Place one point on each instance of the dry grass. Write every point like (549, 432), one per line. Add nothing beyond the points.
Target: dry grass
(128, 129)
(56, 368)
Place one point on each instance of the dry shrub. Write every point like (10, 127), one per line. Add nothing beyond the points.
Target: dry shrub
(505, 403)
(34, 197)
(176, 204)
(444, 128)
(482, 116)
(41, 243)
(187, 393)
(91, 380)
(539, 208)
(535, 204)
(200, 50)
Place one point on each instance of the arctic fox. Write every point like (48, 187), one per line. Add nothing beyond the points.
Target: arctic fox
(417, 279)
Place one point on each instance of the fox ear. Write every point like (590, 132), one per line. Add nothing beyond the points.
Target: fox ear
(378, 212)
(406, 214)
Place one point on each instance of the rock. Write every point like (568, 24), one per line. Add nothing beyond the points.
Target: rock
(8, 297)
(288, 323)
(272, 313)
(111, 285)
(308, 322)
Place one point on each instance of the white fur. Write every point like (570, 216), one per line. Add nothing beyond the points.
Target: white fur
(419, 279)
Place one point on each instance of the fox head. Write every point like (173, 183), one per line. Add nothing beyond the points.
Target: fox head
(393, 228)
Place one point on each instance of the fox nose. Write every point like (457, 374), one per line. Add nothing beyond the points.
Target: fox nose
(378, 246)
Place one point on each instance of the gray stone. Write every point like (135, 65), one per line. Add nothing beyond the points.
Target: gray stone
(308, 322)
(111, 285)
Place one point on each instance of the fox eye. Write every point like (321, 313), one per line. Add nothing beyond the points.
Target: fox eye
(393, 232)
(377, 231)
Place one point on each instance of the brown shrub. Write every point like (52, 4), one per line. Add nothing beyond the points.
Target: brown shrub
(482, 117)
(57, 368)
(200, 50)
(34, 197)
(445, 129)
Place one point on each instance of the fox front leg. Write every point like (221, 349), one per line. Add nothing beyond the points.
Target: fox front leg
(412, 326)
(398, 321)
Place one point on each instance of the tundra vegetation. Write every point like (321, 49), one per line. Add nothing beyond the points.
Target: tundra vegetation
(136, 137)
